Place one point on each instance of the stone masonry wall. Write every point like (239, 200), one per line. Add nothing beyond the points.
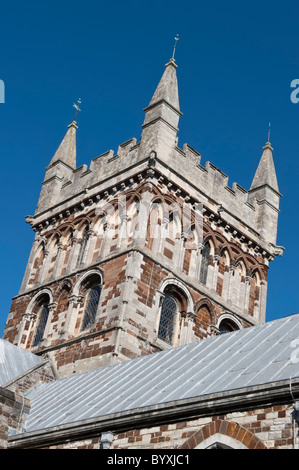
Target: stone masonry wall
(13, 408)
(261, 428)
(134, 272)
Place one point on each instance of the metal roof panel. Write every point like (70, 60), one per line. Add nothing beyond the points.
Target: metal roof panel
(248, 357)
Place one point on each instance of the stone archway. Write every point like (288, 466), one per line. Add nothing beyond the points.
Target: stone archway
(225, 433)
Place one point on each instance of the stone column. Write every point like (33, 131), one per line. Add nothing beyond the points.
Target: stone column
(199, 251)
(186, 335)
(247, 293)
(232, 270)
(215, 273)
(122, 240)
(44, 267)
(46, 340)
(75, 302)
(58, 262)
(92, 238)
(180, 247)
(162, 234)
(76, 244)
(25, 328)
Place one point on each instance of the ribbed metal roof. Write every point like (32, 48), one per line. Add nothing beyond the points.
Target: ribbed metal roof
(248, 357)
(14, 361)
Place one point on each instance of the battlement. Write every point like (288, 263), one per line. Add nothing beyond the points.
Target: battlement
(206, 184)
(255, 210)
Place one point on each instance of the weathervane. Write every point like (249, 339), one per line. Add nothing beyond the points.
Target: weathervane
(269, 131)
(176, 40)
(76, 106)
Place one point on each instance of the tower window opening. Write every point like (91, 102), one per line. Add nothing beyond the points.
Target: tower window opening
(168, 319)
(91, 307)
(42, 316)
(227, 326)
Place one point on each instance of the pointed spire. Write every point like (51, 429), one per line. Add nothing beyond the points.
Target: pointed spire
(66, 152)
(160, 126)
(265, 173)
(167, 89)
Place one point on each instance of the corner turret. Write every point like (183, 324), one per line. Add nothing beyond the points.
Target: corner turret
(264, 189)
(162, 115)
(60, 169)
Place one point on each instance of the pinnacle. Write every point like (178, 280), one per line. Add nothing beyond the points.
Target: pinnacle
(265, 173)
(66, 152)
(167, 89)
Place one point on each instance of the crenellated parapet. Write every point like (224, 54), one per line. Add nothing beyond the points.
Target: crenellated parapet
(109, 173)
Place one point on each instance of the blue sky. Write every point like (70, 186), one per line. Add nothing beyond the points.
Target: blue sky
(236, 61)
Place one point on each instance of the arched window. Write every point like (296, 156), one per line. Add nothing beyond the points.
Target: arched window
(168, 319)
(91, 306)
(205, 255)
(42, 318)
(226, 326)
(83, 245)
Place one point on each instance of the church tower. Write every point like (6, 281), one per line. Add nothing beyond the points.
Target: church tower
(143, 250)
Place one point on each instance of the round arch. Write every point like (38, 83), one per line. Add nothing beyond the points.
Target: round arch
(242, 261)
(226, 433)
(230, 319)
(205, 302)
(175, 283)
(35, 299)
(84, 277)
(210, 239)
(226, 253)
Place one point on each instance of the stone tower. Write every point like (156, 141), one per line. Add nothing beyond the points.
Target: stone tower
(143, 250)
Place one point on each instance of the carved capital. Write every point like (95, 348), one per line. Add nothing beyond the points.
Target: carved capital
(214, 330)
(184, 235)
(52, 307)
(232, 270)
(189, 316)
(75, 300)
(216, 259)
(91, 233)
(28, 316)
(124, 218)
